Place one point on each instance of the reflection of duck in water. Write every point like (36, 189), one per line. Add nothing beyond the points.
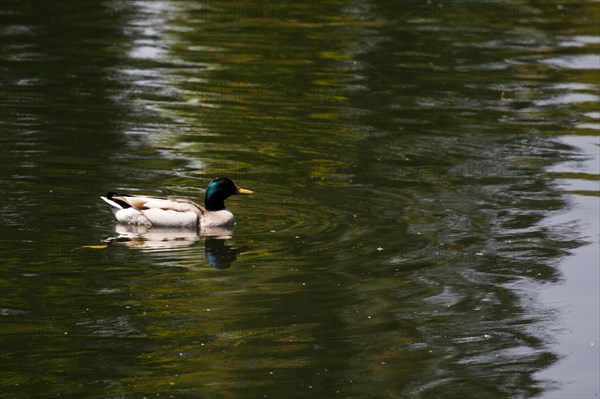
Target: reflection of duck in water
(153, 239)
(173, 212)
(218, 254)
(157, 239)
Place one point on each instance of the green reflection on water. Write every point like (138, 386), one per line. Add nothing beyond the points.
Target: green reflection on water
(398, 153)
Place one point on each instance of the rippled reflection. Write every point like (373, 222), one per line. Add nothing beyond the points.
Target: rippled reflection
(408, 210)
(218, 253)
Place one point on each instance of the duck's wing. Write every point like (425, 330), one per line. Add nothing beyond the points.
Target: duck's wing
(141, 203)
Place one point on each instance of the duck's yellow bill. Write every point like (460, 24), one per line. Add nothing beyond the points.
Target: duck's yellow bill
(244, 191)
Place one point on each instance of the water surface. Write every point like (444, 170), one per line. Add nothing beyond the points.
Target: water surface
(420, 173)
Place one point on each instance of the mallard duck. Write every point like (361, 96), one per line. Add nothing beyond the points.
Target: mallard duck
(158, 211)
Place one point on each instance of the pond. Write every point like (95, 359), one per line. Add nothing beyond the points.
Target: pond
(424, 221)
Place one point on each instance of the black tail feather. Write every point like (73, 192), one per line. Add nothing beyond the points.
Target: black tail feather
(112, 194)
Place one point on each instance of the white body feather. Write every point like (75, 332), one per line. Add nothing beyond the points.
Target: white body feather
(153, 211)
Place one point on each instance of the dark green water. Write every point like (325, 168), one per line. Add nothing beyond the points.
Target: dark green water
(418, 172)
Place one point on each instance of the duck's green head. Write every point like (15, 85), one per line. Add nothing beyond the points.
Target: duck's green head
(220, 189)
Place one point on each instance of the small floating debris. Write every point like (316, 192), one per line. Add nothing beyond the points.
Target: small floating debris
(91, 247)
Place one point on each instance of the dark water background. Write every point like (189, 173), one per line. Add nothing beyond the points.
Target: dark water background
(425, 217)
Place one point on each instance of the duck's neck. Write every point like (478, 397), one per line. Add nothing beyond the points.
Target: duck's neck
(212, 203)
